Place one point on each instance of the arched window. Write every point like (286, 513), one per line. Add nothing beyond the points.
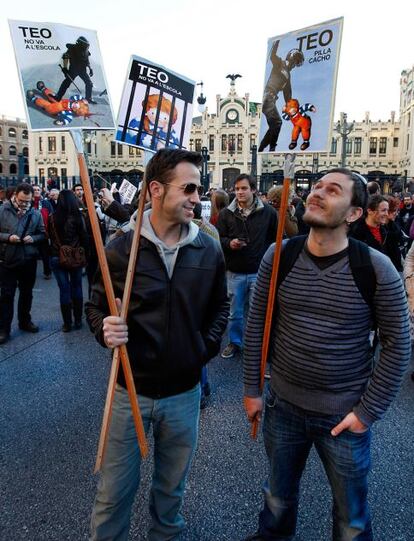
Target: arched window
(13, 169)
(0, 132)
(25, 151)
(1, 168)
(26, 169)
(12, 132)
(12, 150)
(25, 134)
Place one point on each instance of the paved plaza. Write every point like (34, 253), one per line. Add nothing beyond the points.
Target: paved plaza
(52, 391)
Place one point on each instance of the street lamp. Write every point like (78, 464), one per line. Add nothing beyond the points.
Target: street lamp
(201, 100)
(205, 180)
(344, 129)
(253, 171)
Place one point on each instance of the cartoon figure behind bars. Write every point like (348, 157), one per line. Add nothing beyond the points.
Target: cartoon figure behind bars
(302, 123)
(154, 136)
(64, 110)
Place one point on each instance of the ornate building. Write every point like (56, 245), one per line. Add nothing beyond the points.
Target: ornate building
(14, 148)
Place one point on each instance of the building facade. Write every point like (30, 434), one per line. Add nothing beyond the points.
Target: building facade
(381, 150)
(14, 148)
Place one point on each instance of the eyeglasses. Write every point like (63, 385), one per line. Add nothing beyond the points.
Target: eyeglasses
(189, 188)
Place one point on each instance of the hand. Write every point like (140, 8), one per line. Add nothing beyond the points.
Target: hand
(349, 422)
(107, 197)
(90, 72)
(28, 239)
(313, 109)
(236, 244)
(115, 329)
(253, 407)
(14, 239)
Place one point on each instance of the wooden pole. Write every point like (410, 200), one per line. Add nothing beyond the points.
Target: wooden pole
(77, 139)
(124, 312)
(289, 171)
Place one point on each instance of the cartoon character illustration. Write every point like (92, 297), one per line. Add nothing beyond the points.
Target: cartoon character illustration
(64, 110)
(75, 63)
(155, 133)
(302, 123)
(279, 80)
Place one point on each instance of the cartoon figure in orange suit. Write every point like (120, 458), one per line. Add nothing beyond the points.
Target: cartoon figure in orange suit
(302, 123)
(64, 110)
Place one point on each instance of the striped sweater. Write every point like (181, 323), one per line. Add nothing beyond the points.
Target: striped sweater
(319, 350)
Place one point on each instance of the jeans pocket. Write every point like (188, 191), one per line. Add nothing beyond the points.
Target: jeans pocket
(271, 398)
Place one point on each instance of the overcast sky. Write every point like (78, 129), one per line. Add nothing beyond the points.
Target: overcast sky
(207, 40)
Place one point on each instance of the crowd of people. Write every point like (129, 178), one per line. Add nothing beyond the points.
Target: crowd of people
(339, 336)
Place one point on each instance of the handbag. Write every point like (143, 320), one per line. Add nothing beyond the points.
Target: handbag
(70, 257)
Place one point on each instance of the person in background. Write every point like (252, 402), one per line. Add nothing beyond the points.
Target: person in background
(67, 227)
(45, 209)
(53, 197)
(274, 196)
(219, 201)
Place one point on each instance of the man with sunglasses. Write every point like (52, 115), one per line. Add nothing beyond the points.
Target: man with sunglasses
(177, 314)
(247, 227)
(21, 232)
(324, 390)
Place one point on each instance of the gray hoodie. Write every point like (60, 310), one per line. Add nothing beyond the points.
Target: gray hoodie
(168, 254)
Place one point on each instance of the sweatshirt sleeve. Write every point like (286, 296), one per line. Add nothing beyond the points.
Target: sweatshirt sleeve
(391, 312)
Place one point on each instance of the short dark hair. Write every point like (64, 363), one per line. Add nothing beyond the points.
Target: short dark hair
(25, 188)
(373, 187)
(161, 165)
(76, 185)
(252, 182)
(375, 200)
(359, 188)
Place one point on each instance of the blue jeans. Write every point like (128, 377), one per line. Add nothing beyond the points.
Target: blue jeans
(289, 433)
(69, 281)
(240, 289)
(175, 428)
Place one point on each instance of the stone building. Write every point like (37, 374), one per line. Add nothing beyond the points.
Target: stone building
(14, 148)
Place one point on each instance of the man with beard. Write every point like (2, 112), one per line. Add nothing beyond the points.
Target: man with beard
(279, 80)
(323, 389)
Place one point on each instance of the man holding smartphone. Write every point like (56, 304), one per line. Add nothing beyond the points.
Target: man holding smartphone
(247, 227)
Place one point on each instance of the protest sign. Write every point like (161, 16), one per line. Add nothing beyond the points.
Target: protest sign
(62, 77)
(156, 107)
(299, 89)
(127, 192)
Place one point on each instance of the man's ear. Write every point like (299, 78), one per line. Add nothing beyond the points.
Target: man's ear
(354, 214)
(155, 189)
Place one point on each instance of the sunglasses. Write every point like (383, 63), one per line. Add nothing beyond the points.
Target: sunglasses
(189, 188)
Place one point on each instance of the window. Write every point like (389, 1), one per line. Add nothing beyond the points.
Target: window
(191, 144)
(239, 142)
(252, 140)
(13, 169)
(131, 151)
(12, 132)
(383, 145)
(409, 120)
(25, 152)
(334, 143)
(89, 147)
(357, 145)
(395, 142)
(63, 143)
(1, 149)
(198, 145)
(40, 144)
(1, 165)
(348, 147)
(408, 141)
(63, 172)
(25, 134)
(224, 143)
(372, 145)
(232, 142)
(51, 144)
(12, 150)
(119, 149)
(113, 149)
(211, 143)
(41, 174)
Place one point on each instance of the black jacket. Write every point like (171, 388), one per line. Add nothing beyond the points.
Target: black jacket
(391, 237)
(259, 230)
(174, 325)
(74, 234)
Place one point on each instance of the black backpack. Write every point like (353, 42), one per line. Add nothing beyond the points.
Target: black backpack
(359, 260)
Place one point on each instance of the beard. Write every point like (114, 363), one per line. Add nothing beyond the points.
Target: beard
(316, 222)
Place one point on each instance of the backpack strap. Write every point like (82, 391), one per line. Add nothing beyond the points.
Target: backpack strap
(288, 257)
(363, 271)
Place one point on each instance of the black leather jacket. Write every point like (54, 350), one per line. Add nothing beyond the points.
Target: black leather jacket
(174, 325)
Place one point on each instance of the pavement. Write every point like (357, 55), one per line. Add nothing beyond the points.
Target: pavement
(52, 391)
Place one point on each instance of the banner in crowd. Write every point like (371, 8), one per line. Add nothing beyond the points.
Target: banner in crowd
(61, 76)
(127, 192)
(299, 89)
(156, 107)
